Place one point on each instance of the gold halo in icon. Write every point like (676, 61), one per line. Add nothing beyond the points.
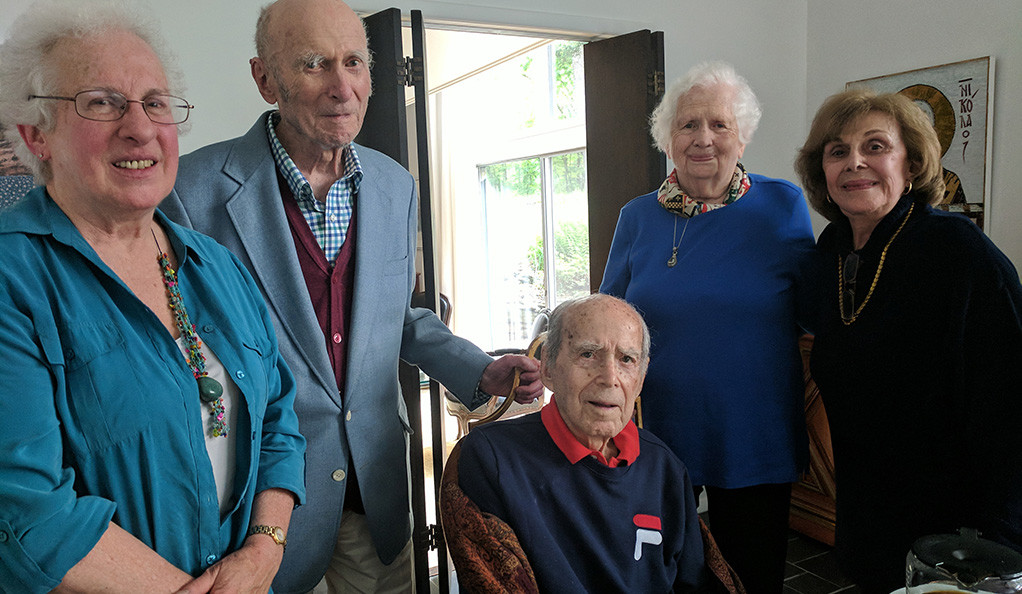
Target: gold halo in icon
(940, 107)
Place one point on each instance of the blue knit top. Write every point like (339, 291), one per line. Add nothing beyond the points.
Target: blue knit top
(725, 384)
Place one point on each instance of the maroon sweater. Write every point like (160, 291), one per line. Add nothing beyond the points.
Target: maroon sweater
(331, 289)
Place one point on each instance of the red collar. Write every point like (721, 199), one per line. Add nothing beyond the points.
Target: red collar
(627, 441)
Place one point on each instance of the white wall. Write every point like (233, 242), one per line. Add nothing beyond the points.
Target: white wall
(794, 52)
(849, 41)
(213, 41)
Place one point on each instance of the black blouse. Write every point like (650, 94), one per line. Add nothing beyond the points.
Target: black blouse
(923, 390)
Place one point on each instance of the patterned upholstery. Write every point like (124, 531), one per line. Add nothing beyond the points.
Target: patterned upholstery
(489, 558)
(13, 187)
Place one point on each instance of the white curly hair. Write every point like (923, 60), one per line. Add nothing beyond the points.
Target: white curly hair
(27, 65)
(706, 74)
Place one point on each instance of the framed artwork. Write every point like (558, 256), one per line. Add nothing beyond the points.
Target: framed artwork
(959, 100)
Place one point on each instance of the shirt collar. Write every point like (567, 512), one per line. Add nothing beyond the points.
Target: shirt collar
(37, 214)
(627, 441)
(882, 232)
(299, 186)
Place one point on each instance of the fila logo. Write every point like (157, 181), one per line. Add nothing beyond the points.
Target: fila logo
(647, 531)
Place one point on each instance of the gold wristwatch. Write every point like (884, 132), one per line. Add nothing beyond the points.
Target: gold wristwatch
(274, 532)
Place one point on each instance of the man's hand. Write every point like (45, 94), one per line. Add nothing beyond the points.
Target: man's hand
(498, 377)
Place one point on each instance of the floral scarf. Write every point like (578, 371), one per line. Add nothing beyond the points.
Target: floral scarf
(674, 199)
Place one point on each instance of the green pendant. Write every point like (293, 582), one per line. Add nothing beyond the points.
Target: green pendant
(209, 389)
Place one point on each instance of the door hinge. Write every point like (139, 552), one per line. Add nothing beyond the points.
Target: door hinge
(655, 83)
(410, 71)
(434, 537)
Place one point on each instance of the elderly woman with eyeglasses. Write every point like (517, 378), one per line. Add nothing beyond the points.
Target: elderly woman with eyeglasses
(918, 350)
(148, 441)
(713, 260)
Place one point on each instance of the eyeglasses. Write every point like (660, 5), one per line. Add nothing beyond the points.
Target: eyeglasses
(849, 271)
(108, 106)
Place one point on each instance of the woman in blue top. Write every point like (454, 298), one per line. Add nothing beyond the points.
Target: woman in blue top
(148, 441)
(712, 260)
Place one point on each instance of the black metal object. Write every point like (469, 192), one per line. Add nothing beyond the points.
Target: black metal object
(385, 129)
(427, 534)
(385, 125)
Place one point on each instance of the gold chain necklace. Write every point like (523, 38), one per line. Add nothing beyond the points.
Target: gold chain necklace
(876, 277)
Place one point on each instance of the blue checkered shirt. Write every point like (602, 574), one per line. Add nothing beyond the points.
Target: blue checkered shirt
(328, 221)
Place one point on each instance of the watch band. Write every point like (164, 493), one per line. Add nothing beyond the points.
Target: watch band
(274, 532)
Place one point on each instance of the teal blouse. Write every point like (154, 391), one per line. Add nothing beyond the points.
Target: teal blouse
(100, 418)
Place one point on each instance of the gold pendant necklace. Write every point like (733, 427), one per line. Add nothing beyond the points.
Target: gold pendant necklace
(674, 246)
(847, 320)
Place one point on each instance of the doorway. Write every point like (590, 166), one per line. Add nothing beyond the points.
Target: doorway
(520, 160)
(507, 142)
(508, 191)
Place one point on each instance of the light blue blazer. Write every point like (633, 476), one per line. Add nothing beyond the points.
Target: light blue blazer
(230, 191)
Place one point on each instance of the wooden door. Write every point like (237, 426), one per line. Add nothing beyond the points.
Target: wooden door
(385, 129)
(624, 80)
(426, 536)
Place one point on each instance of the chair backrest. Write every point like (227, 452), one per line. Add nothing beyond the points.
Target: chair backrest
(445, 309)
(13, 187)
(443, 305)
(489, 557)
(541, 323)
(534, 351)
(486, 552)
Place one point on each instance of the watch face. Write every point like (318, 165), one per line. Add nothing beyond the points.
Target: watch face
(278, 533)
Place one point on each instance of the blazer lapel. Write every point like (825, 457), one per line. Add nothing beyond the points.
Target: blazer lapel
(380, 220)
(258, 216)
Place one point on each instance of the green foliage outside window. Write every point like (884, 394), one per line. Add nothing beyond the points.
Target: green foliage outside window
(567, 61)
(567, 58)
(571, 249)
(522, 178)
(569, 173)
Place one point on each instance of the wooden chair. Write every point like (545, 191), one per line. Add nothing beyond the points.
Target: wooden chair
(500, 406)
(485, 549)
(508, 408)
(489, 559)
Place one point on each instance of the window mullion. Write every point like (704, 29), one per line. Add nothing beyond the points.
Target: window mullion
(549, 250)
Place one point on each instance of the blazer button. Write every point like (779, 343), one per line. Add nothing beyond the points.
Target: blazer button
(338, 475)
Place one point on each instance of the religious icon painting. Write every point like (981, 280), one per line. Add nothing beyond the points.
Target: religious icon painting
(958, 97)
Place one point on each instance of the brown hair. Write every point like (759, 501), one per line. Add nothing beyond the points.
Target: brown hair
(841, 109)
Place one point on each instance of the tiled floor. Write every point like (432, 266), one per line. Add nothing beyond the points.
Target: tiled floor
(812, 569)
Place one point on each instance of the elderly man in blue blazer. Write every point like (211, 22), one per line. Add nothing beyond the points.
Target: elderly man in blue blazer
(328, 229)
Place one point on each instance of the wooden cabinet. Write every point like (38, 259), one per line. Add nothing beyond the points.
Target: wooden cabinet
(813, 498)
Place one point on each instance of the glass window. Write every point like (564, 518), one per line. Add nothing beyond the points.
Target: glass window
(537, 239)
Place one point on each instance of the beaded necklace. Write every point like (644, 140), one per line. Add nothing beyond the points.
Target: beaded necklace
(210, 390)
(841, 275)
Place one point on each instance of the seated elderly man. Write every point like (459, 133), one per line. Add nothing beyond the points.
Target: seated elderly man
(597, 504)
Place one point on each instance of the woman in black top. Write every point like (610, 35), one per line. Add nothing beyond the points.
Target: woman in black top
(918, 351)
